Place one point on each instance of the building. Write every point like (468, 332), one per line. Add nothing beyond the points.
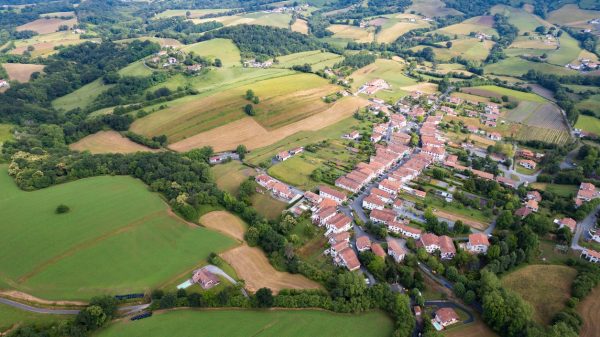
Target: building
(4, 83)
(395, 250)
(591, 255)
(529, 164)
(523, 212)
(507, 182)
(335, 195)
(338, 223)
(372, 202)
(323, 215)
(339, 237)
(354, 135)
(205, 278)
(349, 259)
(363, 243)
(389, 186)
(384, 216)
(587, 192)
(405, 230)
(447, 249)
(534, 195)
(382, 195)
(567, 222)
(377, 250)
(348, 184)
(430, 242)
(495, 136)
(446, 317)
(478, 243)
(312, 197)
(532, 205)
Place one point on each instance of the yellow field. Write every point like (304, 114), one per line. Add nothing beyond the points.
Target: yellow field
(397, 29)
(44, 44)
(108, 142)
(300, 26)
(223, 49)
(481, 24)
(250, 133)
(224, 222)
(21, 72)
(46, 26)
(254, 268)
(283, 100)
(352, 32)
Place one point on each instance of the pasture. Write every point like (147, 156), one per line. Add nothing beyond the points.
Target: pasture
(588, 124)
(21, 72)
(137, 68)
(108, 142)
(47, 25)
(263, 323)
(573, 16)
(194, 13)
(568, 52)
(278, 20)
(10, 316)
(395, 25)
(229, 176)
(316, 58)
(44, 44)
(545, 287)
(267, 206)
(253, 135)
(431, 8)
(296, 171)
(283, 101)
(117, 238)
(82, 97)
(300, 26)
(353, 33)
(522, 19)
(476, 24)
(251, 265)
(470, 49)
(224, 223)
(589, 309)
(223, 49)
(589, 104)
(515, 66)
(389, 70)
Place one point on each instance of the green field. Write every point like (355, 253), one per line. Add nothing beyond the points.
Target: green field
(136, 69)
(525, 21)
(117, 238)
(495, 91)
(431, 8)
(317, 59)
(223, 49)
(568, 52)
(279, 20)
(588, 124)
(591, 103)
(5, 133)
(229, 176)
(289, 323)
(82, 97)
(389, 70)
(475, 24)
(470, 49)
(267, 206)
(514, 66)
(10, 316)
(193, 12)
(296, 171)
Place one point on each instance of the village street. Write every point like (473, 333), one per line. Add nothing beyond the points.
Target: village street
(583, 228)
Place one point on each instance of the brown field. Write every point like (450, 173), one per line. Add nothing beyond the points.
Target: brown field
(425, 87)
(108, 142)
(589, 309)
(46, 26)
(253, 135)
(226, 223)
(467, 221)
(392, 33)
(253, 267)
(545, 287)
(300, 26)
(21, 72)
(476, 329)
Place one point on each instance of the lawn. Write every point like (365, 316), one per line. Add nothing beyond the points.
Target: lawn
(229, 176)
(117, 238)
(496, 91)
(137, 68)
(82, 97)
(296, 171)
(561, 190)
(389, 70)
(290, 323)
(267, 206)
(545, 287)
(223, 49)
(10, 316)
(588, 124)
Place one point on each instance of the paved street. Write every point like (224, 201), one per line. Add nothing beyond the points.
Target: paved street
(583, 227)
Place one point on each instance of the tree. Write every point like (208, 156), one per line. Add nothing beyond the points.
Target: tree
(249, 94)
(241, 151)
(449, 44)
(218, 63)
(264, 298)
(249, 110)
(91, 317)
(62, 209)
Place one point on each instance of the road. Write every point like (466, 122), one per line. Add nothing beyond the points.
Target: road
(216, 270)
(49, 311)
(583, 227)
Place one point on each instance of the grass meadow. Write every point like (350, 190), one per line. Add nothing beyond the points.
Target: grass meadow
(389, 70)
(316, 58)
(515, 66)
(588, 124)
(117, 238)
(289, 323)
(223, 49)
(10, 316)
(82, 97)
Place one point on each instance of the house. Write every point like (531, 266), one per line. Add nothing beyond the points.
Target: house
(376, 137)
(534, 195)
(312, 197)
(338, 223)
(4, 83)
(349, 259)
(591, 255)
(377, 250)
(494, 136)
(567, 222)
(323, 215)
(339, 237)
(507, 182)
(478, 243)
(389, 186)
(397, 121)
(437, 153)
(405, 230)
(354, 135)
(384, 216)
(483, 175)
(194, 68)
(282, 190)
(283, 156)
(446, 317)
(447, 249)
(363, 243)
(523, 212)
(171, 60)
(205, 278)
(335, 195)
(587, 192)
(430, 242)
(529, 164)
(382, 195)
(372, 202)
(532, 205)
(348, 184)
(395, 250)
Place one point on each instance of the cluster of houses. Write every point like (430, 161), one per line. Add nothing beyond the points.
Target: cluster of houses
(257, 64)
(374, 86)
(223, 157)
(587, 192)
(277, 188)
(584, 65)
(287, 9)
(285, 155)
(452, 161)
(530, 204)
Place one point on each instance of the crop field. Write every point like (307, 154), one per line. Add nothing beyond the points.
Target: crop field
(569, 51)
(514, 66)
(470, 49)
(283, 101)
(588, 124)
(137, 68)
(352, 33)
(81, 97)
(543, 134)
(591, 103)
(476, 24)
(573, 16)
(588, 309)
(108, 142)
(251, 265)
(389, 70)
(21, 72)
(229, 176)
(300, 26)
(253, 135)
(264, 323)
(316, 58)
(194, 13)
(44, 44)
(117, 238)
(10, 316)
(160, 40)
(224, 223)
(498, 92)
(431, 8)
(46, 26)
(223, 49)
(279, 20)
(525, 21)
(545, 287)
(395, 27)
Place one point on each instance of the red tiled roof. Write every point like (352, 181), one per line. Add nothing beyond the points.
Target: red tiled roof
(395, 246)
(384, 215)
(445, 315)
(478, 239)
(377, 250)
(328, 190)
(429, 239)
(350, 259)
(363, 242)
(446, 244)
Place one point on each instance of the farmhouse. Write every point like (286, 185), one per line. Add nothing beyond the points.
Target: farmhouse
(354, 135)
(205, 278)
(567, 222)
(447, 249)
(373, 86)
(478, 243)
(363, 243)
(529, 164)
(335, 195)
(395, 250)
(446, 317)
(523, 212)
(534, 195)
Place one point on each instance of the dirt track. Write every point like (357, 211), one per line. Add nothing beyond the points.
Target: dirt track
(250, 133)
(108, 142)
(252, 266)
(21, 296)
(224, 222)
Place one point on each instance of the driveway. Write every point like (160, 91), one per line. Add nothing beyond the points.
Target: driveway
(218, 271)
